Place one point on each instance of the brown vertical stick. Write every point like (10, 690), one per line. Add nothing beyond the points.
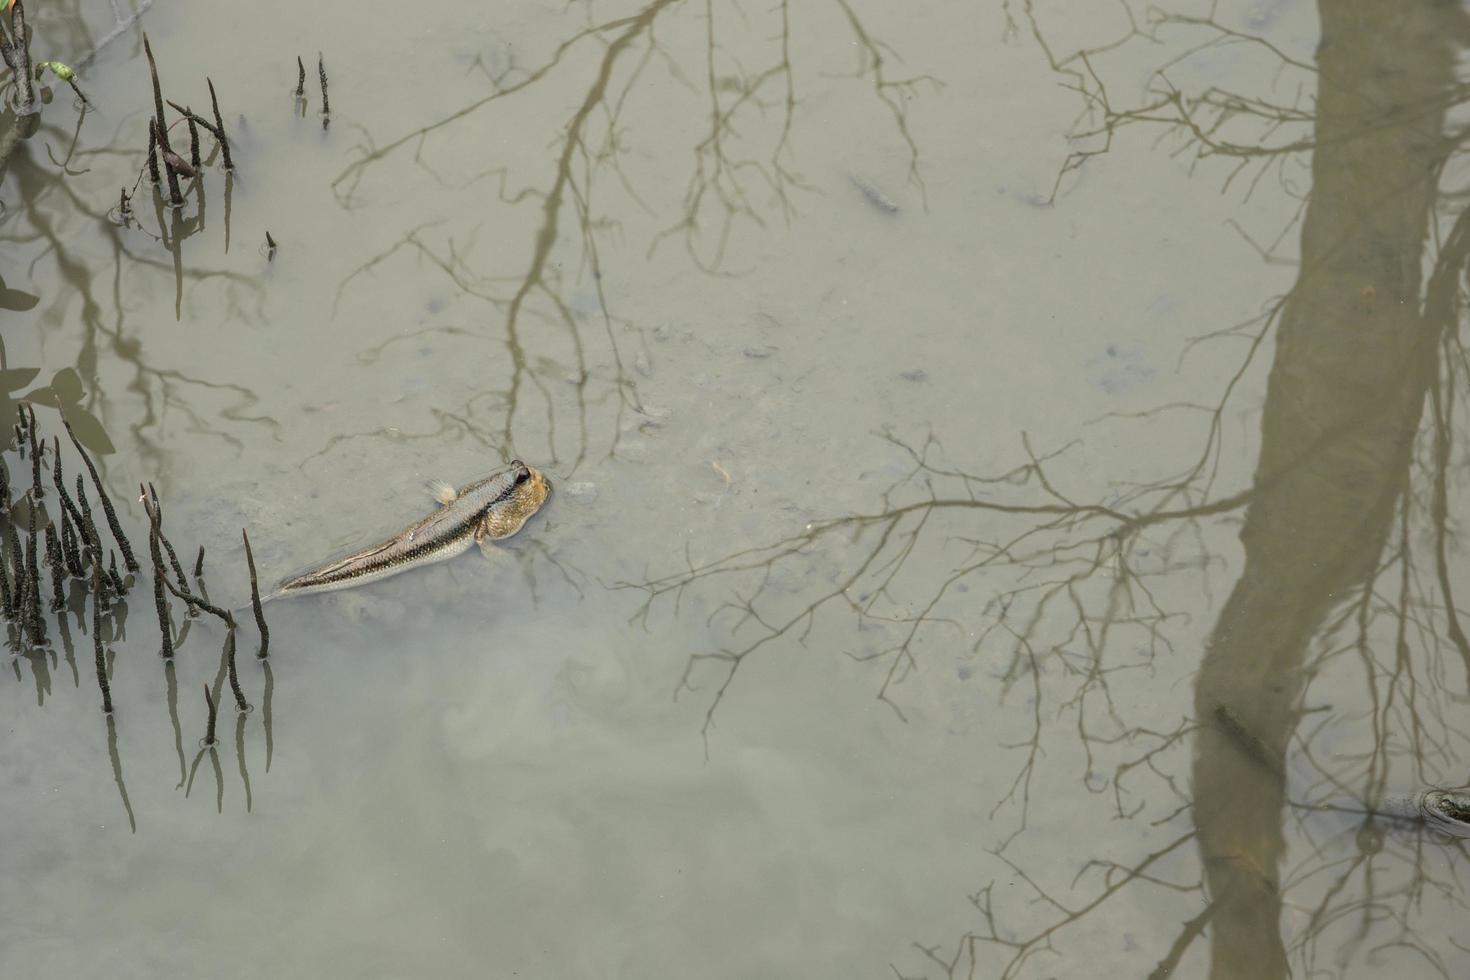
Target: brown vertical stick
(18, 563)
(112, 575)
(153, 174)
(91, 541)
(241, 704)
(300, 78)
(265, 633)
(193, 141)
(150, 503)
(321, 70)
(160, 125)
(173, 556)
(69, 550)
(37, 492)
(175, 196)
(209, 738)
(219, 124)
(112, 522)
(160, 603)
(98, 601)
(7, 597)
(56, 475)
(71, 517)
(58, 567)
(35, 625)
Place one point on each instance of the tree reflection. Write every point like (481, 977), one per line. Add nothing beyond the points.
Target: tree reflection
(41, 172)
(742, 177)
(1335, 669)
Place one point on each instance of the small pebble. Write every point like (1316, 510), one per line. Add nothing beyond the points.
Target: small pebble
(643, 365)
(760, 352)
(917, 374)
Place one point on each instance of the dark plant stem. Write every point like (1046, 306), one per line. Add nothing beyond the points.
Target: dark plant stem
(17, 563)
(91, 541)
(69, 550)
(193, 141)
(160, 127)
(219, 128)
(173, 556)
(321, 70)
(150, 503)
(160, 602)
(58, 567)
(35, 625)
(153, 174)
(265, 633)
(300, 78)
(199, 563)
(194, 118)
(112, 521)
(209, 738)
(36, 490)
(240, 703)
(7, 597)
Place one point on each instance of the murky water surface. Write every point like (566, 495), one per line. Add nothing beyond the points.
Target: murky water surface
(1008, 463)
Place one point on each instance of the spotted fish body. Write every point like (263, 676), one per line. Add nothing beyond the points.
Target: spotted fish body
(477, 513)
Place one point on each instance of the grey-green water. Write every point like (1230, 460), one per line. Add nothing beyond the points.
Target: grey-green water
(954, 570)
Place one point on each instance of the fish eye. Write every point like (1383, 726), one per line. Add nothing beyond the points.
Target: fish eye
(523, 474)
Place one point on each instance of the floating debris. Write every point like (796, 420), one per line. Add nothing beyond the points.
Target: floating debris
(875, 196)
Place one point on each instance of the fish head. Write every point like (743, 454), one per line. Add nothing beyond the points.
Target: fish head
(532, 484)
(527, 494)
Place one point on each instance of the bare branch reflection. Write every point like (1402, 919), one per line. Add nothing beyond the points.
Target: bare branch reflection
(557, 321)
(1333, 679)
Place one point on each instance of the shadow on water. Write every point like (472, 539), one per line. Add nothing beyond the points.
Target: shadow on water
(1346, 591)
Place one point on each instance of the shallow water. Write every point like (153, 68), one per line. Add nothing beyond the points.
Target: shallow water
(1005, 518)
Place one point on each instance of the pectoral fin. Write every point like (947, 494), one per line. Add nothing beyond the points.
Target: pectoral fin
(443, 492)
(484, 540)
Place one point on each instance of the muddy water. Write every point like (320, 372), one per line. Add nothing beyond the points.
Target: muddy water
(1005, 516)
